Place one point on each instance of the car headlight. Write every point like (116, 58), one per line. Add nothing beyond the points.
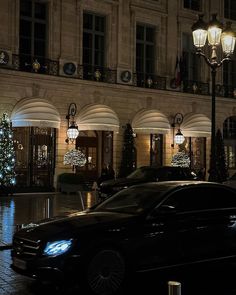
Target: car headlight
(57, 247)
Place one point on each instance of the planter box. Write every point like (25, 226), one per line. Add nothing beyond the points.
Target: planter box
(71, 183)
(70, 188)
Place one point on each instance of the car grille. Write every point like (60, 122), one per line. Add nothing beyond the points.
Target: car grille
(25, 247)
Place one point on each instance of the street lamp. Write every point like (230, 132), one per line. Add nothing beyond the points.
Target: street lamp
(214, 32)
(178, 138)
(72, 131)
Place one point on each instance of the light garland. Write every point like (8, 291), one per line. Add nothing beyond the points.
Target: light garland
(75, 158)
(180, 159)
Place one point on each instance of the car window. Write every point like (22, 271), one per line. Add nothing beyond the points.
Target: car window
(132, 200)
(138, 173)
(201, 198)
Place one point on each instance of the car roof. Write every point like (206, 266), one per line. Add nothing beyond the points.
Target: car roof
(178, 183)
(163, 167)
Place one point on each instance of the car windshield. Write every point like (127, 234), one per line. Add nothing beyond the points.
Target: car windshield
(132, 200)
(140, 173)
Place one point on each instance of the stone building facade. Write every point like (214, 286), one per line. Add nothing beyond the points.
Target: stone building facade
(118, 61)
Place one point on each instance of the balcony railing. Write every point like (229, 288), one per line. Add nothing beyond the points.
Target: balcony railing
(150, 81)
(225, 91)
(32, 64)
(195, 87)
(97, 73)
(40, 65)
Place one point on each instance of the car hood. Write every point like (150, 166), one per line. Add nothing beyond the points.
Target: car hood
(121, 182)
(65, 226)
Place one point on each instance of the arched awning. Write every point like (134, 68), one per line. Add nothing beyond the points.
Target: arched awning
(35, 112)
(150, 121)
(97, 117)
(196, 125)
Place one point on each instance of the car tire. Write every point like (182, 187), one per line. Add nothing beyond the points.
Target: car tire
(106, 272)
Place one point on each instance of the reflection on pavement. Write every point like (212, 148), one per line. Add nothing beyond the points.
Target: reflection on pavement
(23, 209)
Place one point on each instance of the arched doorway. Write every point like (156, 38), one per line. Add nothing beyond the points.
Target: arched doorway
(34, 122)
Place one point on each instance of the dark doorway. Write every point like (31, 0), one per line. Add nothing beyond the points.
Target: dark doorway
(87, 142)
(35, 158)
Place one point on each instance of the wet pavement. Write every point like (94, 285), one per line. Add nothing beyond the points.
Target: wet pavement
(25, 208)
(218, 279)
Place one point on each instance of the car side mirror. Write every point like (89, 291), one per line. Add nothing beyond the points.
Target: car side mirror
(164, 210)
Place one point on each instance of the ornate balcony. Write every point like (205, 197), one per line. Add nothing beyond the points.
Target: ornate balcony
(32, 64)
(196, 87)
(37, 65)
(150, 81)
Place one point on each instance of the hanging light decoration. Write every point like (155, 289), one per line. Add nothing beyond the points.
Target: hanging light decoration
(72, 131)
(75, 157)
(178, 138)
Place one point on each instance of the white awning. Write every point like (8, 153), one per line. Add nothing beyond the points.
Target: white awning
(97, 117)
(35, 112)
(150, 121)
(196, 125)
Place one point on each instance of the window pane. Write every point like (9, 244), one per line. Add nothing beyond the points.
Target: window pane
(150, 51)
(150, 34)
(94, 39)
(99, 42)
(98, 58)
(87, 56)
(87, 40)
(88, 21)
(39, 48)
(139, 50)
(25, 46)
(25, 28)
(40, 10)
(40, 31)
(149, 66)
(25, 7)
(33, 27)
(140, 33)
(145, 49)
(192, 4)
(99, 24)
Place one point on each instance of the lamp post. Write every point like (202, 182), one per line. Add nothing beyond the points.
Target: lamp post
(216, 35)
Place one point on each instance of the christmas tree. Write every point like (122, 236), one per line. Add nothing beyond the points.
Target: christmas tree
(221, 167)
(7, 156)
(128, 160)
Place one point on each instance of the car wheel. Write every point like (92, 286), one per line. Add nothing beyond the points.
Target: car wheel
(106, 272)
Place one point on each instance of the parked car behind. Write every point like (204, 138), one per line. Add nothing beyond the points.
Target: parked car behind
(231, 181)
(142, 228)
(145, 174)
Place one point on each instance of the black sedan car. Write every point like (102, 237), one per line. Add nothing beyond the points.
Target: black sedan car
(145, 174)
(142, 228)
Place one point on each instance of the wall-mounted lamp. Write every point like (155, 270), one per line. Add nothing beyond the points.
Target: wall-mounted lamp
(72, 131)
(178, 138)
